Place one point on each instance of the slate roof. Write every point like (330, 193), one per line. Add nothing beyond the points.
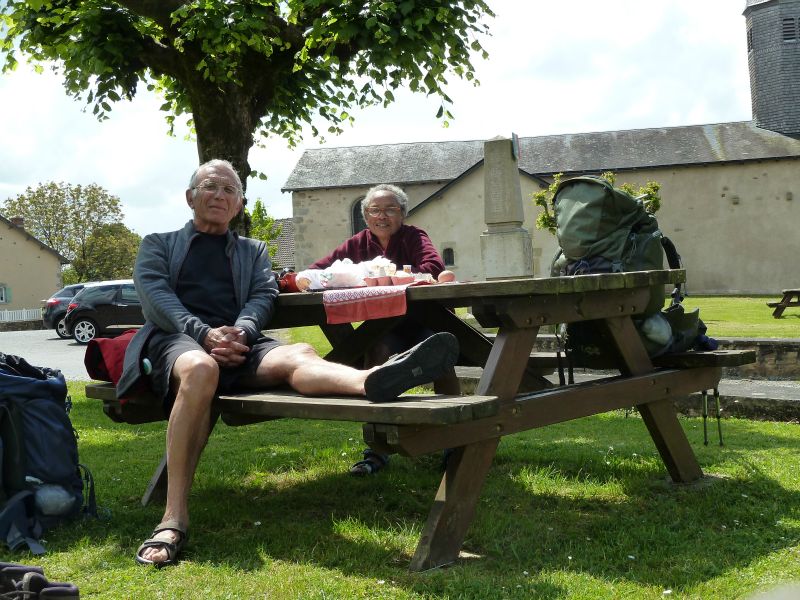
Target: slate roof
(755, 3)
(543, 155)
(40, 243)
(284, 257)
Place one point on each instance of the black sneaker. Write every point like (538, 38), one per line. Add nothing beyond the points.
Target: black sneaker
(11, 575)
(36, 586)
(427, 361)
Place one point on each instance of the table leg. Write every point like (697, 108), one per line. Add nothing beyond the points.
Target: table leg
(784, 303)
(660, 417)
(157, 487)
(670, 440)
(506, 364)
(781, 306)
(454, 506)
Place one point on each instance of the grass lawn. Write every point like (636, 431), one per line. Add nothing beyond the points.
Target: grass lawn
(749, 317)
(579, 510)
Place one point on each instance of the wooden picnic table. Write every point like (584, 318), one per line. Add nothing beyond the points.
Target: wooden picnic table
(512, 396)
(790, 298)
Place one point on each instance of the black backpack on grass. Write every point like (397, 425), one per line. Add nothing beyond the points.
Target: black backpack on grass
(603, 229)
(42, 483)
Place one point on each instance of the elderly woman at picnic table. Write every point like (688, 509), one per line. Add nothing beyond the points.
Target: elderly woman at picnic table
(384, 208)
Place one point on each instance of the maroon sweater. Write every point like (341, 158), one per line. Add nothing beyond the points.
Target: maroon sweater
(409, 246)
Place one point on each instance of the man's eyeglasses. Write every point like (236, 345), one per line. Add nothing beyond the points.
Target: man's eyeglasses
(392, 211)
(210, 186)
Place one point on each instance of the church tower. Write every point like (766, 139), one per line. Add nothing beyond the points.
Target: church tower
(773, 56)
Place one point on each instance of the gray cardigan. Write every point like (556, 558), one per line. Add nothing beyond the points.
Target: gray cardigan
(158, 266)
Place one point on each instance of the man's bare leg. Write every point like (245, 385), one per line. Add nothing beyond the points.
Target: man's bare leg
(194, 378)
(306, 372)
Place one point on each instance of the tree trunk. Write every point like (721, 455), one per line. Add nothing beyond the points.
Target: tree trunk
(224, 125)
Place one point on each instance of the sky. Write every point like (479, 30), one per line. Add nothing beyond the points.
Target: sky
(571, 66)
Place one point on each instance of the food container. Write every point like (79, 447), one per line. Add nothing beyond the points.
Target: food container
(385, 280)
(371, 280)
(402, 279)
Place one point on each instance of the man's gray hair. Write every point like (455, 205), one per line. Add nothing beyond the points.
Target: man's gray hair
(214, 162)
(399, 195)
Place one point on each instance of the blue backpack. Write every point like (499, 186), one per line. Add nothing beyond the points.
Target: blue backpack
(42, 483)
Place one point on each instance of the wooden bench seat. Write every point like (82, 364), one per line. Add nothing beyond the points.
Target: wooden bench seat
(706, 358)
(688, 359)
(252, 407)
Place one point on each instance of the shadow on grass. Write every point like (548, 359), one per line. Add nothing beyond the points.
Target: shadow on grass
(589, 496)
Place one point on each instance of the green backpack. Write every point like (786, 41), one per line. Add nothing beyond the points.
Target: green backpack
(603, 229)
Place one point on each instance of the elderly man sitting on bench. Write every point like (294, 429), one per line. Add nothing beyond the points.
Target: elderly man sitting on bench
(206, 295)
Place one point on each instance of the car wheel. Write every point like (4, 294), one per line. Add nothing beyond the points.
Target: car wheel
(61, 329)
(84, 331)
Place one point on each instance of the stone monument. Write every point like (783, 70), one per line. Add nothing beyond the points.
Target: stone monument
(506, 246)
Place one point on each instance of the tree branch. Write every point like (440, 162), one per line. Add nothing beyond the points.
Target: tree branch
(159, 11)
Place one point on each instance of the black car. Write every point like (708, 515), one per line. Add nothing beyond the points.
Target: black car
(104, 308)
(55, 308)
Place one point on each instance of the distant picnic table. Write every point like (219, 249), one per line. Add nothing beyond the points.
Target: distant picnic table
(790, 298)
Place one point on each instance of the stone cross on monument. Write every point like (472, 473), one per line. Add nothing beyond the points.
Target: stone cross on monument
(506, 246)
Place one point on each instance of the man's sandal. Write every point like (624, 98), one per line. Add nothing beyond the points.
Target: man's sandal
(371, 464)
(173, 549)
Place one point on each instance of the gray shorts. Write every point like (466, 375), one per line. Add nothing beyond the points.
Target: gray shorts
(163, 349)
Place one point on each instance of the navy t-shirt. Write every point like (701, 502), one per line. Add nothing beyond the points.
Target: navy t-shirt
(205, 283)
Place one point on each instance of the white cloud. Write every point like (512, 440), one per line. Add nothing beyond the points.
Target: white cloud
(555, 67)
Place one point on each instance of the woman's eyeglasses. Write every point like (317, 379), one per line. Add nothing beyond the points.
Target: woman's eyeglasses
(392, 211)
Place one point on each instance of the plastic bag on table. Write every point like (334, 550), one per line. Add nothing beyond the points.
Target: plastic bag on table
(341, 274)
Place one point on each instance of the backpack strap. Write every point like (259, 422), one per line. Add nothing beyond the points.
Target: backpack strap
(674, 261)
(17, 525)
(90, 505)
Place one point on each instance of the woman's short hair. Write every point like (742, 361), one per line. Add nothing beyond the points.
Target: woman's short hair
(214, 162)
(399, 195)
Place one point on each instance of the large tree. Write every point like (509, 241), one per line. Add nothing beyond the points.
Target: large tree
(248, 68)
(109, 253)
(65, 216)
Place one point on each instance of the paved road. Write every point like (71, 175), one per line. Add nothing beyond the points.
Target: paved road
(44, 348)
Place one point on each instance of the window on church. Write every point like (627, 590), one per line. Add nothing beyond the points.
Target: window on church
(357, 217)
(3, 293)
(449, 257)
(750, 40)
(789, 29)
